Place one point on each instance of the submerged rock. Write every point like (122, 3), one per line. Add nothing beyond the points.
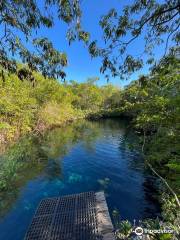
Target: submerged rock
(74, 177)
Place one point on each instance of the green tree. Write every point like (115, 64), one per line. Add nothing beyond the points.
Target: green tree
(157, 22)
(88, 95)
(20, 21)
(153, 102)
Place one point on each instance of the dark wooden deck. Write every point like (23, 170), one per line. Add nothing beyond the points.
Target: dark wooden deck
(83, 216)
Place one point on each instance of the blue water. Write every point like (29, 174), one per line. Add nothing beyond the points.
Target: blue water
(86, 156)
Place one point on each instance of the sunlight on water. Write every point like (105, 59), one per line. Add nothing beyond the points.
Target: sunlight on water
(85, 156)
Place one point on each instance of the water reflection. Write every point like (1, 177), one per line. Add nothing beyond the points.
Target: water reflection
(33, 155)
(83, 156)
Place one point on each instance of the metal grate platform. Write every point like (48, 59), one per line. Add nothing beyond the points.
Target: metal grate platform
(81, 216)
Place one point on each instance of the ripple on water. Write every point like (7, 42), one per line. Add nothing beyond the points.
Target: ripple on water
(87, 156)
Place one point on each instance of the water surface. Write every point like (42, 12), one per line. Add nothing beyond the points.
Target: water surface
(84, 156)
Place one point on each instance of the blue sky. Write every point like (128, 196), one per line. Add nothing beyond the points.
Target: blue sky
(80, 65)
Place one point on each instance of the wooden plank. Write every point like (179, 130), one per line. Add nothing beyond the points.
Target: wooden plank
(105, 227)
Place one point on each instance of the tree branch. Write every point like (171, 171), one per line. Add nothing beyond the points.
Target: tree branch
(165, 182)
(167, 40)
(159, 176)
(148, 19)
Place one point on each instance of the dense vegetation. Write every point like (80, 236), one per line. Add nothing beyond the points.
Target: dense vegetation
(27, 106)
(31, 100)
(151, 102)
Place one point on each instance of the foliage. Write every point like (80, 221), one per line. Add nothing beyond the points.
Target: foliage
(124, 229)
(88, 95)
(156, 22)
(57, 114)
(20, 21)
(151, 101)
(170, 220)
(153, 104)
(33, 107)
(30, 103)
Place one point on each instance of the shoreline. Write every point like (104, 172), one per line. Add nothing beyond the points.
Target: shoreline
(42, 126)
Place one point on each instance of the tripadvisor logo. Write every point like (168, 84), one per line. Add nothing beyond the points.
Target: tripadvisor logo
(140, 231)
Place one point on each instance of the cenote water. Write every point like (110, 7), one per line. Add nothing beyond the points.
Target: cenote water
(84, 156)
